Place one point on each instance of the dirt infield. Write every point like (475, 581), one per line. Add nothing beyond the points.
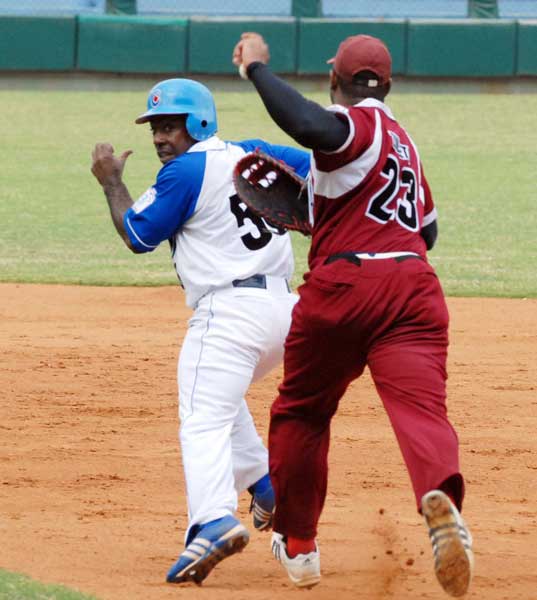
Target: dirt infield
(92, 493)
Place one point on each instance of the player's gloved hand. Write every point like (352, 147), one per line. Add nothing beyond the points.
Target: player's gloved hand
(106, 166)
(273, 191)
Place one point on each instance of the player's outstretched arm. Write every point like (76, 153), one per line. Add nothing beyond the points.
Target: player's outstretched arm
(305, 121)
(108, 170)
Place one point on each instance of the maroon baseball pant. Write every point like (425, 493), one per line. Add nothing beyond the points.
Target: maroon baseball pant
(391, 316)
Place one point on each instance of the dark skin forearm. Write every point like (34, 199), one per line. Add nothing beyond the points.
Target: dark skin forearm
(119, 201)
(108, 170)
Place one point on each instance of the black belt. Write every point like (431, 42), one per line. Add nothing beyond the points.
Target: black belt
(356, 260)
(255, 281)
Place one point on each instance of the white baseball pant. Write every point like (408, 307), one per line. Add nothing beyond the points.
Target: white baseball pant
(235, 336)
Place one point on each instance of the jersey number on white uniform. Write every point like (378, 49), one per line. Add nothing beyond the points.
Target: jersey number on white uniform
(400, 191)
(264, 230)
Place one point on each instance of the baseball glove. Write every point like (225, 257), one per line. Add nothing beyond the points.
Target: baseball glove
(272, 190)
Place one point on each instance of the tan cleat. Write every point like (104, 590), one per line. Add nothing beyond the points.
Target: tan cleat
(452, 543)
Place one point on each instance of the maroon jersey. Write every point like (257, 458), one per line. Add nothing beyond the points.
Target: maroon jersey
(370, 195)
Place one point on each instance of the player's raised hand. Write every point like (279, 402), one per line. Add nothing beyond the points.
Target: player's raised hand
(250, 48)
(106, 166)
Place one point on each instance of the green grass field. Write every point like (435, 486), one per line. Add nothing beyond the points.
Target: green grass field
(478, 153)
(16, 587)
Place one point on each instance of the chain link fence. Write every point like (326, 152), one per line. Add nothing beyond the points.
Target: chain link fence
(261, 8)
(517, 9)
(430, 8)
(378, 9)
(395, 8)
(51, 7)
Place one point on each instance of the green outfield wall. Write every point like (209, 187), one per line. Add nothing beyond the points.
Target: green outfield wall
(318, 40)
(462, 48)
(134, 44)
(38, 43)
(211, 43)
(131, 44)
(526, 54)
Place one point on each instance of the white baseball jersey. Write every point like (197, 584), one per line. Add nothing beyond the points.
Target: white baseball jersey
(215, 238)
(236, 333)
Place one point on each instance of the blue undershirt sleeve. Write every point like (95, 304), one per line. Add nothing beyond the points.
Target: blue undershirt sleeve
(162, 210)
(298, 159)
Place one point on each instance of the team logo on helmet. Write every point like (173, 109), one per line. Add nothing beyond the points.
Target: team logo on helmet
(155, 97)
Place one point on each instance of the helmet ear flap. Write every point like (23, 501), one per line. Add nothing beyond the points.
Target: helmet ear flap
(200, 128)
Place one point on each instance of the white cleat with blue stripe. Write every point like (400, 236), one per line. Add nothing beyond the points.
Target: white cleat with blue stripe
(262, 507)
(214, 542)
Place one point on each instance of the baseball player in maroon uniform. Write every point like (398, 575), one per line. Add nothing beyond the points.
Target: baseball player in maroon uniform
(370, 298)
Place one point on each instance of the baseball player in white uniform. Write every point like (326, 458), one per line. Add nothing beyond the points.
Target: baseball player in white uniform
(235, 269)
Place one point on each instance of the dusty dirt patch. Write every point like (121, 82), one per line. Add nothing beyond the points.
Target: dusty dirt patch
(91, 487)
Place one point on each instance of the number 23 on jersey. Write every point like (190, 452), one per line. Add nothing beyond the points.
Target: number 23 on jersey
(397, 199)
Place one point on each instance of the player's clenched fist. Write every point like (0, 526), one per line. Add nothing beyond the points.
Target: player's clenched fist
(106, 166)
(250, 48)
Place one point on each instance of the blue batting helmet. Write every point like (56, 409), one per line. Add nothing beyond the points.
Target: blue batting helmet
(183, 97)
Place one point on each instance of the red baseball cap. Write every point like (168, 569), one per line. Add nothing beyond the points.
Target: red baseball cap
(363, 53)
